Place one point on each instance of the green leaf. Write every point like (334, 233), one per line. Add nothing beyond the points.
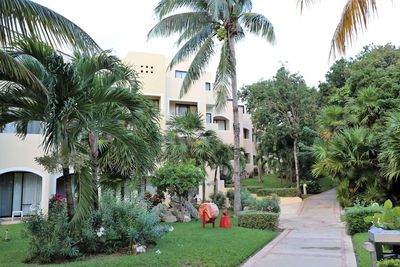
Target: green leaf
(388, 204)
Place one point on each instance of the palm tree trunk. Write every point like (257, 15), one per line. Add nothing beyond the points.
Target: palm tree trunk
(123, 191)
(296, 164)
(236, 130)
(68, 192)
(204, 190)
(215, 184)
(93, 140)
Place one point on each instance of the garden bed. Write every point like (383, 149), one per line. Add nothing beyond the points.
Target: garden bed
(187, 245)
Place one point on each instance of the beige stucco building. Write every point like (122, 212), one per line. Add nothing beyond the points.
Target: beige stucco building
(25, 184)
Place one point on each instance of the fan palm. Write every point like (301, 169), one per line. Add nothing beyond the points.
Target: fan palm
(203, 27)
(24, 18)
(354, 18)
(390, 154)
(222, 156)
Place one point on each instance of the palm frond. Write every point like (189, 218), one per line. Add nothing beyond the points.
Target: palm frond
(165, 7)
(178, 23)
(27, 18)
(354, 19)
(258, 24)
(223, 79)
(198, 65)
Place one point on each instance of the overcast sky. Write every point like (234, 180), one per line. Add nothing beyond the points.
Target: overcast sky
(303, 40)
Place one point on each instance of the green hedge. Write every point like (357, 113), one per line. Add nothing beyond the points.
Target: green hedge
(253, 188)
(282, 192)
(354, 218)
(258, 220)
(389, 263)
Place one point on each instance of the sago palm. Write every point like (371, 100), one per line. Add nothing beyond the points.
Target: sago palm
(205, 26)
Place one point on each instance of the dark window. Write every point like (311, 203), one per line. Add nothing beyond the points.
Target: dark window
(181, 109)
(156, 103)
(208, 118)
(246, 133)
(180, 74)
(208, 86)
(247, 156)
(242, 109)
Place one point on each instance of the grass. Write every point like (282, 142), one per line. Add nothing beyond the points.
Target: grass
(363, 257)
(270, 181)
(187, 245)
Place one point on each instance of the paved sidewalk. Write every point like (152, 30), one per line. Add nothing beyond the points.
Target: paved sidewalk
(313, 237)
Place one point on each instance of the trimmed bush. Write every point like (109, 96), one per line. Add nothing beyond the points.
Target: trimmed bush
(253, 188)
(354, 218)
(282, 192)
(389, 263)
(258, 220)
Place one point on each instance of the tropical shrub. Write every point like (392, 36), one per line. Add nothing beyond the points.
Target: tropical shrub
(178, 179)
(354, 218)
(388, 219)
(282, 192)
(119, 225)
(258, 220)
(389, 263)
(220, 199)
(49, 236)
(270, 203)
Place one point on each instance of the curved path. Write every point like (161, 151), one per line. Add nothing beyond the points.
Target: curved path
(313, 237)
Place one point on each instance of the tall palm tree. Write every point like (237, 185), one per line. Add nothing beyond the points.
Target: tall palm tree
(354, 18)
(204, 26)
(24, 18)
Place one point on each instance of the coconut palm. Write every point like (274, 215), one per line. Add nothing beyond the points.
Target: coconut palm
(354, 19)
(203, 27)
(24, 18)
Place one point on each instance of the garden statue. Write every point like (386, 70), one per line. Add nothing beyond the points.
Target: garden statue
(225, 221)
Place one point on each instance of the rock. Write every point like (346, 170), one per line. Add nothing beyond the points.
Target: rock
(186, 218)
(169, 218)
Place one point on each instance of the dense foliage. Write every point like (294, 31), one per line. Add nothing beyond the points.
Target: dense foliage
(389, 263)
(116, 227)
(358, 126)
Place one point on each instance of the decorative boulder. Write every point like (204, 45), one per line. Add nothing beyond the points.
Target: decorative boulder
(169, 218)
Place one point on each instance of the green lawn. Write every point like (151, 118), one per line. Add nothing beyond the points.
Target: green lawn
(270, 181)
(187, 245)
(363, 257)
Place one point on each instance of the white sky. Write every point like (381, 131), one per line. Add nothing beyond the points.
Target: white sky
(303, 40)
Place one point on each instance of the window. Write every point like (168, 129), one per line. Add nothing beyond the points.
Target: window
(242, 109)
(246, 133)
(33, 127)
(180, 74)
(254, 160)
(221, 124)
(208, 118)
(208, 86)
(181, 109)
(247, 156)
(156, 103)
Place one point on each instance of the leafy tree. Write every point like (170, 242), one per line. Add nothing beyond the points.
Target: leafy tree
(281, 107)
(203, 26)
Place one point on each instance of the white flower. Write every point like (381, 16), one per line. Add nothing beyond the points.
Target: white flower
(158, 251)
(171, 228)
(101, 232)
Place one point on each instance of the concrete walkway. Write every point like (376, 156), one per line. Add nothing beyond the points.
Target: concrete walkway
(313, 237)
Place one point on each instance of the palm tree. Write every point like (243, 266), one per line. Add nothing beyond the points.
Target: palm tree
(390, 153)
(24, 18)
(88, 98)
(204, 26)
(186, 139)
(222, 156)
(354, 18)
